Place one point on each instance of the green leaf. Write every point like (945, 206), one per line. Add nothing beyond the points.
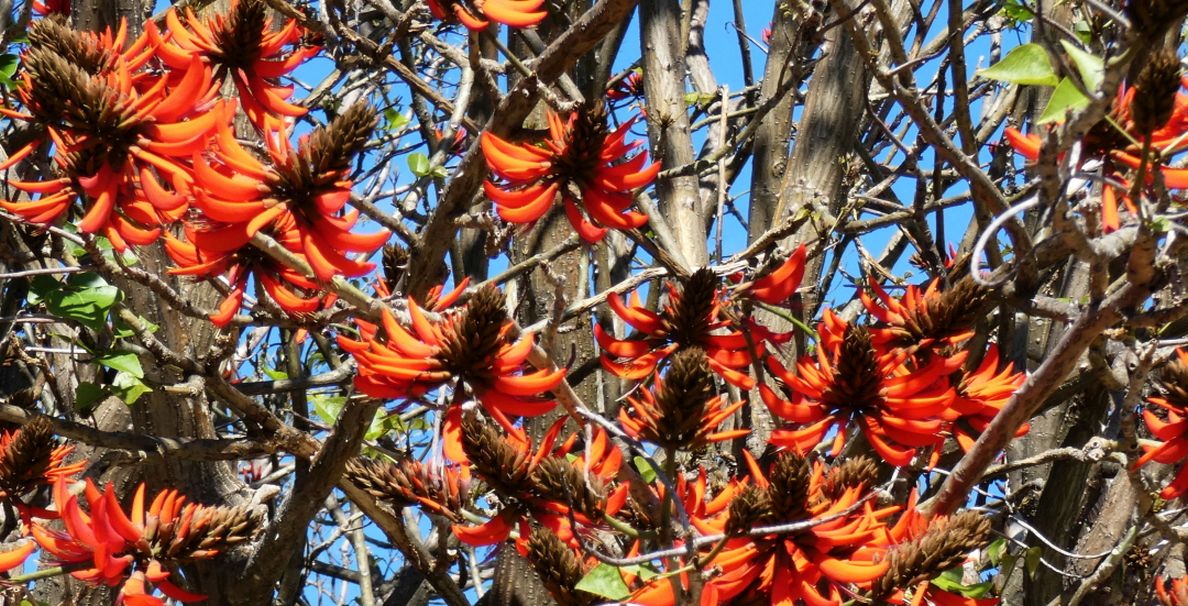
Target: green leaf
(951, 581)
(1091, 68)
(418, 163)
(394, 120)
(86, 395)
(275, 374)
(995, 550)
(128, 387)
(379, 425)
(8, 67)
(124, 362)
(327, 407)
(604, 580)
(1031, 560)
(646, 472)
(1065, 98)
(83, 297)
(1026, 64)
(1016, 12)
(123, 330)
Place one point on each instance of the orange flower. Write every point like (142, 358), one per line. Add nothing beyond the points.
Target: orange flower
(139, 545)
(815, 565)
(14, 558)
(212, 251)
(30, 457)
(778, 285)
(471, 345)
(579, 160)
(691, 318)
(300, 195)
(1173, 383)
(981, 394)
(1174, 595)
(1152, 109)
(242, 45)
(681, 411)
(113, 132)
(899, 409)
(477, 14)
(540, 484)
(926, 319)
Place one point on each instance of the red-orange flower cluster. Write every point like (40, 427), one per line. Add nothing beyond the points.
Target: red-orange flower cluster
(1153, 110)
(477, 14)
(105, 545)
(1172, 432)
(540, 484)
(692, 317)
(299, 198)
(591, 169)
(901, 381)
(1172, 592)
(472, 345)
(242, 45)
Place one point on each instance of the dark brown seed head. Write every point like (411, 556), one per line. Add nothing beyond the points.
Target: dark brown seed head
(556, 479)
(64, 93)
(688, 315)
(1155, 91)
(1153, 17)
(238, 40)
(499, 464)
(395, 261)
(332, 148)
(789, 487)
(954, 310)
(1173, 383)
(584, 152)
(26, 459)
(682, 398)
(854, 472)
(405, 482)
(558, 567)
(748, 509)
(857, 379)
(944, 546)
(476, 338)
(54, 34)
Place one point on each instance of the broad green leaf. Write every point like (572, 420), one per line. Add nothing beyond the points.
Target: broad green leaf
(83, 297)
(378, 425)
(124, 362)
(122, 330)
(995, 550)
(604, 580)
(128, 387)
(645, 470)
(327, 407)
(1031, 560)
(8, 67)
(1065, 98)
(87, 395)
(418, 163)
(275, 374)
(1090, 67)
(1026, 64)
(951, 581)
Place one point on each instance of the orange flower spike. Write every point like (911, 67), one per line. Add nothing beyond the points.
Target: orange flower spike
(1172, 433)
(898, 409)
(690, 318)
(244, 46)
(474, 15)
(777, 286)
(592, 170)
(470, 343)
(16, 557)
(1171, 592)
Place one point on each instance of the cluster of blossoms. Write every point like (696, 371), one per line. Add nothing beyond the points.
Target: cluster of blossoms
(141, 140)
(1150, 116)
(590, 167)
(792, 527)
(94, 537)
(1170, 428)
